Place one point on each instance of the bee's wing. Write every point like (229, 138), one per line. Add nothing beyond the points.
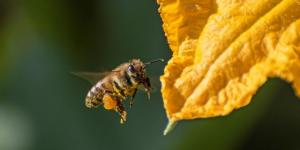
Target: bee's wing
(92, 77)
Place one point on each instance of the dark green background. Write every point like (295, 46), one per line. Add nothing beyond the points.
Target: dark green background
(42, 105)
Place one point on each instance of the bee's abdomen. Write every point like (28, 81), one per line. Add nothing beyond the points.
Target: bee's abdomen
(94, 96)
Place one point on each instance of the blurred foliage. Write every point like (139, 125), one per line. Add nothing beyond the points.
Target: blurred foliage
(42, 106)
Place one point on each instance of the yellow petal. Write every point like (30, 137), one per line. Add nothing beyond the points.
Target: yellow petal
(223, 51)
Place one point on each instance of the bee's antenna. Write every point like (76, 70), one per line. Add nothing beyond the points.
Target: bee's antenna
(154, 61)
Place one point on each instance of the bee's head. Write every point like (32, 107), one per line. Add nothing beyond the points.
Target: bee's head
(136, 69)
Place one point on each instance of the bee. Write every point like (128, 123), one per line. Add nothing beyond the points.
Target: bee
(112, 88)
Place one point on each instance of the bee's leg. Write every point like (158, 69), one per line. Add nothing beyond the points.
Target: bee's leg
(132, 98)
(147, 86)
(121, 110)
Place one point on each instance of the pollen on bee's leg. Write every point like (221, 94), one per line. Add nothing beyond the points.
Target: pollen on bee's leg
(109, 102)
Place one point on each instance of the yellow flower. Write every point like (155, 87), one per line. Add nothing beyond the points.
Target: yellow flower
(224, 50)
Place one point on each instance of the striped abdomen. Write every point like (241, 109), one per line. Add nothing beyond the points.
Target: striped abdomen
(94, 96)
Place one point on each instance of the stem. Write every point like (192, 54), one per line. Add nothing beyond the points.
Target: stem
(171, 125)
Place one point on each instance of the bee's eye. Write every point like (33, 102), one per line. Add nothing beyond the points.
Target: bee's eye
(131, 68)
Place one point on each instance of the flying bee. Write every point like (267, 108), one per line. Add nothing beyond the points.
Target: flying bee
(112, 88)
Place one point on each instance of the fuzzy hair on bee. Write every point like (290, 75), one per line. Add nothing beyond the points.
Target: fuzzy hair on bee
(112, 88)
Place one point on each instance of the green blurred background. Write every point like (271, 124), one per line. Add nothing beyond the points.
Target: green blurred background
(42, 105)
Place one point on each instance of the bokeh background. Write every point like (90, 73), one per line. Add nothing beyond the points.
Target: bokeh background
(42, 104)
